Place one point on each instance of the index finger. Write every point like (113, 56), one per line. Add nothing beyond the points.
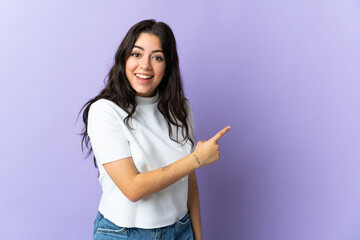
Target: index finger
(220, 134)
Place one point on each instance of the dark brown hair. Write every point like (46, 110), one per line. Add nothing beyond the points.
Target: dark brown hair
(172, 101)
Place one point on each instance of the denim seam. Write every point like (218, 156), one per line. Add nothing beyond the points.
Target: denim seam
(183, 223)
(103, 230)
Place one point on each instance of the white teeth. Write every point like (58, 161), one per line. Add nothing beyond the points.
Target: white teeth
(143, 76)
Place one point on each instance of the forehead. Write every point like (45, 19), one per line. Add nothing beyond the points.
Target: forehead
(148, 41)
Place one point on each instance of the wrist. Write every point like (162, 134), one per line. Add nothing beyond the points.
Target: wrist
(196, 160)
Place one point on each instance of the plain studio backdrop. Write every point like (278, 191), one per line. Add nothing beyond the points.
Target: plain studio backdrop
(285, 74)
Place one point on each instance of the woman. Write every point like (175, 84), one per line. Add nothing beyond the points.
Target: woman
(141, 131)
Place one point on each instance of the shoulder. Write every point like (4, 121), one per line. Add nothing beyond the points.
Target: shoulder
(188, 107)
(103, 105)
(102, 110)
(189, 112)
(187, 104)
(103, 115)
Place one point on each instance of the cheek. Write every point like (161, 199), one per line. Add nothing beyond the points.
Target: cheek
(161, 69)
(130, 65)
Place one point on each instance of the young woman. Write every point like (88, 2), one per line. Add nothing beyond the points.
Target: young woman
(141, 130)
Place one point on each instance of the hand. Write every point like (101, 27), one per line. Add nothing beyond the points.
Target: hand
(207, 152)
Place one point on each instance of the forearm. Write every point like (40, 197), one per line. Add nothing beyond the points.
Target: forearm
(147, 183)
(137, 185)
(194, 206)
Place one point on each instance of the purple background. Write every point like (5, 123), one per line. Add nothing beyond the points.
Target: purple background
(284, 74)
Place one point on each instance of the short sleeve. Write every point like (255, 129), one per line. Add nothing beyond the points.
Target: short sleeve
(106, 133)
(191, 123)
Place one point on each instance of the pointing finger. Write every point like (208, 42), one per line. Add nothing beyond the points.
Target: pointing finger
(220, 134)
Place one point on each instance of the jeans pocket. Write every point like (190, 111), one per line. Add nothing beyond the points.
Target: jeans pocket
(184, 221)
(183, 228)
(107, 228)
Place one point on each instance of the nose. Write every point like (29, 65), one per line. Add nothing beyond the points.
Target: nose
(145, 63)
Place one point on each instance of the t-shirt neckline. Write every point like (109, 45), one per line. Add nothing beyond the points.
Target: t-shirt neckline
(147, 100)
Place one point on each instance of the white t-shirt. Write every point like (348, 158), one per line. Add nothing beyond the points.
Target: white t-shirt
(151, 148)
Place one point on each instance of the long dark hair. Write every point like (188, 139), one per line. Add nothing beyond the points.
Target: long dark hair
(172, 101)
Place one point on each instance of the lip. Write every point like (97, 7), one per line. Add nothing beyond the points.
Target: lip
(142, 80)
(147, 74)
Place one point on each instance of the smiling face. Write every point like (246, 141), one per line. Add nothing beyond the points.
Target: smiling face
(145, 67)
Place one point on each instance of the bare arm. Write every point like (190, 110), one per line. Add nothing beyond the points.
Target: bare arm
(135, 185)
(194, 206)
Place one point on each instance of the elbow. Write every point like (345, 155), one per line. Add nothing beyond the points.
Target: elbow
(133, 198)
(132, 191)
(132, 195)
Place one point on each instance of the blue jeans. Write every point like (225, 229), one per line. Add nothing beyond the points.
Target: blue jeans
(104, 229)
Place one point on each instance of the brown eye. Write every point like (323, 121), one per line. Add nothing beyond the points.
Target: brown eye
(158, 58)
(135, 54)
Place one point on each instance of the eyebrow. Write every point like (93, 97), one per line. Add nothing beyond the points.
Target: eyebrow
(135, 46)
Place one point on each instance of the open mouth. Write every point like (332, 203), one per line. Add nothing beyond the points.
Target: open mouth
(143, 76)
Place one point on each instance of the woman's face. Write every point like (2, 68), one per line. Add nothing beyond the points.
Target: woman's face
(145, 67)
